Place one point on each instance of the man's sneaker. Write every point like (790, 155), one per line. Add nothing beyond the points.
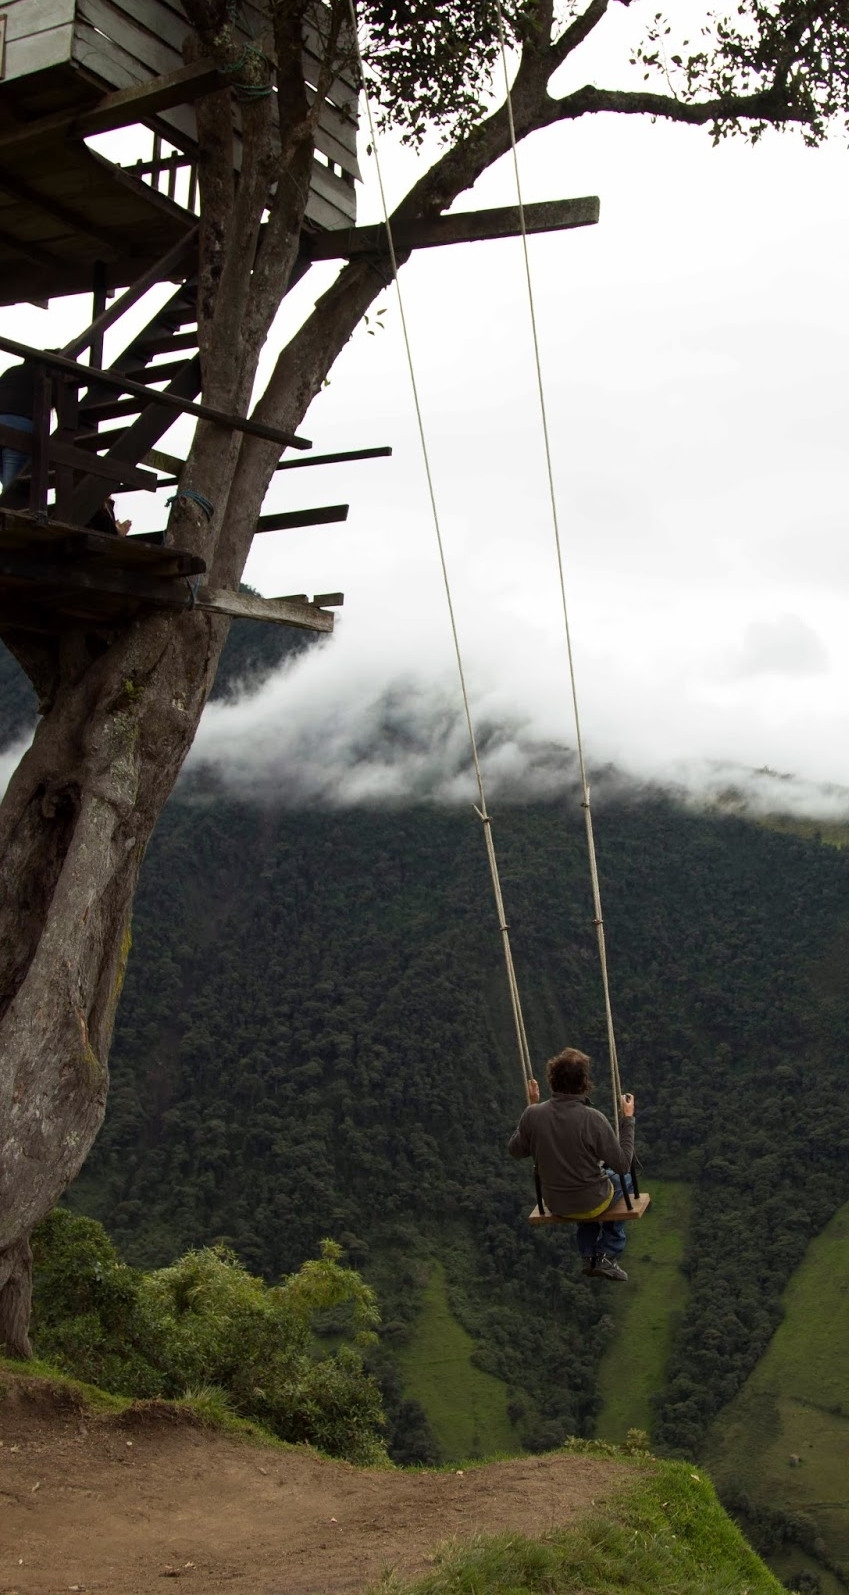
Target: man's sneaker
(588, 1265)
(605, 1267)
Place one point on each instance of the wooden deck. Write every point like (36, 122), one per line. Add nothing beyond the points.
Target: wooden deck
(53, 577)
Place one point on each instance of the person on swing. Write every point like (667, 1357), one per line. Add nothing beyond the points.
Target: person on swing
(582, 1166)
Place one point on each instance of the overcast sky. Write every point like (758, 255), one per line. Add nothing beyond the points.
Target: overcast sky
(694, 348)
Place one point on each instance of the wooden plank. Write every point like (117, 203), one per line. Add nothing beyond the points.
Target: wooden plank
(37, 52)
(617, 1213)
(329, 600)
(132, 554)
(327, 145)
(119, 109)
(326, 216)
(153, 56)
(176, 466)
(282, 611)
(464, 227)
(342, 91)
(161, 20)
(26, 18)
(291, 518)
(339, 191)
(39, 570)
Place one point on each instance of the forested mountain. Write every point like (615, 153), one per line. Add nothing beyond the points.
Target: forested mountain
(315, 1039)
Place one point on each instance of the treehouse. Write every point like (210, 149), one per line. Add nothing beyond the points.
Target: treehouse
(77, 219)
(72, 68)
(118, 220)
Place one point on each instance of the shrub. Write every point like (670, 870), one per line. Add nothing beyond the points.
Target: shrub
(206, 1324)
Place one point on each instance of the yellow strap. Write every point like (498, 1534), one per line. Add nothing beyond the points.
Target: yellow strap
(582, 1218)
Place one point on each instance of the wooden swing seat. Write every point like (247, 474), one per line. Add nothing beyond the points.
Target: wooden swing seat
(614, 1214)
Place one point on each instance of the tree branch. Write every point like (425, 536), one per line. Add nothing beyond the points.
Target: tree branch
(577, 32)
(767, 105)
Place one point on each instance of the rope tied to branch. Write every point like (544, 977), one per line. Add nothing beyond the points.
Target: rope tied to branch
(206, 504)
(250, 55)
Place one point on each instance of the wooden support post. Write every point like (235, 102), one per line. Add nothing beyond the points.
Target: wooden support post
(67, 418)
(40, 431)
(98, 305)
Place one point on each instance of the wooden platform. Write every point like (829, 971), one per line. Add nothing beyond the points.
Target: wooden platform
(617, 1213)
(54, 576)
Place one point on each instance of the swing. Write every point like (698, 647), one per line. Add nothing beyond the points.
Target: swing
(632, 1206)
(617, 1213)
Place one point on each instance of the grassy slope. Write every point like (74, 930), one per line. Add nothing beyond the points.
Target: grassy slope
(666, 1535)
(646, 1313)
(466, 1408)
(797, 1402)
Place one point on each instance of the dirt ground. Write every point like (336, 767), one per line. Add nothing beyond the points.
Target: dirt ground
(111, 1505)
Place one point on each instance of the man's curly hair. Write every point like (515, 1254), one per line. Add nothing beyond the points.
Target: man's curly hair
(569, 1073)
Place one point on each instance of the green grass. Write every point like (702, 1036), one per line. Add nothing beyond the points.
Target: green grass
(466, 1408)
(796, 1402)
(666, 1534)
(646, 1313)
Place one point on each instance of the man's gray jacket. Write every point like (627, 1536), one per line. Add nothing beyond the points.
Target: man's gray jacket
(571, 1144)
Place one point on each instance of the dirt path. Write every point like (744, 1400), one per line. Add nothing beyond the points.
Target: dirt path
(110, 1505)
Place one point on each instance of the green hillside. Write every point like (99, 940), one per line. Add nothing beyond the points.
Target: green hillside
(315, 1039)
(646, 1316)
(782, 1444)
(465, 1407)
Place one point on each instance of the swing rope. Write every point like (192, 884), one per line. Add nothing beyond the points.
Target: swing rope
(615, 1082)
(481, 807)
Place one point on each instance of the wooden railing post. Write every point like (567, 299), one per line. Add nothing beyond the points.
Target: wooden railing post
(39, 461)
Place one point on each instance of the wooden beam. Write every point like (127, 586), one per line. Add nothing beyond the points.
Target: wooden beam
(464, 227)
(91, 376)
(120, 109)
(292, 518)
(285, 465)
(283, 611)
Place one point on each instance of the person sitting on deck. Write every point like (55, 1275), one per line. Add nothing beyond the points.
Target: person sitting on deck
(17, 403)
(582, 1166)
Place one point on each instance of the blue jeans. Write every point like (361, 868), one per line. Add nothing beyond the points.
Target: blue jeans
(12, 461)
(597, 1236)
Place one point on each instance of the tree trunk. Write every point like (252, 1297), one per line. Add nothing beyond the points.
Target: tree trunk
(74, 826)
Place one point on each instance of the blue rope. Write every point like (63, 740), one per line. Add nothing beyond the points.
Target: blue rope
(197, 498)
(193, 590)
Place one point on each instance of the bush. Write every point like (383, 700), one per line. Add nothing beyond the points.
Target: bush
(206, 1325)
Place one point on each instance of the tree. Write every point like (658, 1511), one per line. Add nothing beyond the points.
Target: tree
(118, 717)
